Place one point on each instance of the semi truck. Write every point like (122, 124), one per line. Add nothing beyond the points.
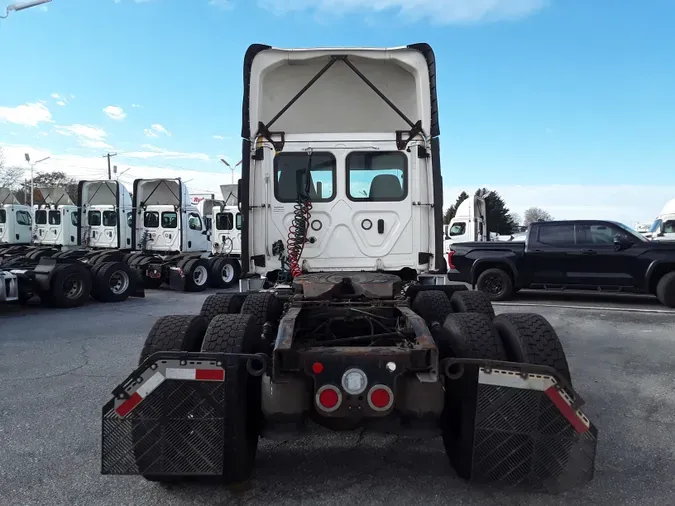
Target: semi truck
(663, 228)
(468, 224)
(344, 318)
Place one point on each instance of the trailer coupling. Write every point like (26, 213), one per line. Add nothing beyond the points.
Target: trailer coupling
(167, 418)
(527, 425)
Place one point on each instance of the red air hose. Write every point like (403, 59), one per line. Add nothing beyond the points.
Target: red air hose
(297, 234)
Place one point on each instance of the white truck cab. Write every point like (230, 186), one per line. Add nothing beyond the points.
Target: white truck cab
(469, 223)
(341, 165)
(57, 220)
(15, 220)
(663, 228)
(106, 215)
(166, 221)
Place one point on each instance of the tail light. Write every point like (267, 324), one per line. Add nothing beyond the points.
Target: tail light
(450, 264)
(328, 398)
(380, 398)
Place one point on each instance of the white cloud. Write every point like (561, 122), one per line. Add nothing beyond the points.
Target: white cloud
(136, 105)
(218, 137)
(61, 103)
(156, 129)
(115, 112)
(26, 114)
(155, 152)
(439, 11)
(223, 4)
(55, 96)
(87, 136)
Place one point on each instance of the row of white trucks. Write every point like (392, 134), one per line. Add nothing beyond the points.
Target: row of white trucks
(113, 244)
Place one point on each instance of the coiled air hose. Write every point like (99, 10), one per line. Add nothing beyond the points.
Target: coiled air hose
(297, 232)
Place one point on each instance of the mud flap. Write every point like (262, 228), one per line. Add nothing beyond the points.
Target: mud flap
(176, 279)
(167, 418)
(528, 430)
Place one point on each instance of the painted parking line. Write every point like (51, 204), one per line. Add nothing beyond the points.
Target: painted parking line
(596, 308)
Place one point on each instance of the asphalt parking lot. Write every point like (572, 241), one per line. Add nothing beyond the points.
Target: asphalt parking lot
(57, 369)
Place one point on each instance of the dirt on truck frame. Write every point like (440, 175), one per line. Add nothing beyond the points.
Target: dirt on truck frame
(347, 323)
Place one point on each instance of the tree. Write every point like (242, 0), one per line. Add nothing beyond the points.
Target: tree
(452, 210)
(534, 214)
(10, 177)
(515, 218)
(499, 218)
(53, 179)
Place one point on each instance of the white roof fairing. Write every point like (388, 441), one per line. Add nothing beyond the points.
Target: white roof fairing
(339, 101)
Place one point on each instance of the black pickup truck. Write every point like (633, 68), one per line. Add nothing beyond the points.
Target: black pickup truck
(572, 255)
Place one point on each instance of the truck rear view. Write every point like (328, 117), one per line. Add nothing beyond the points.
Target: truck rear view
(341, 199)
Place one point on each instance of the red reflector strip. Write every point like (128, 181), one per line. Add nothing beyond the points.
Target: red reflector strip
(125, 408)
(566, 410)
(210, 375)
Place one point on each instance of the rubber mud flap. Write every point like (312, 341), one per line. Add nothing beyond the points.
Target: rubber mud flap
(526, 434)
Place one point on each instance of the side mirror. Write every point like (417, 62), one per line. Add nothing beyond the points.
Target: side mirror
(622, 242)
(204, 232)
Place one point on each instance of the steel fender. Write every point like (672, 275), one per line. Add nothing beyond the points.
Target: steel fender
(43, 273)
(494, 260)
(176, 279)
(652, 269)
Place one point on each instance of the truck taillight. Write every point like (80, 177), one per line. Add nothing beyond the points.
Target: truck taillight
(450, 264)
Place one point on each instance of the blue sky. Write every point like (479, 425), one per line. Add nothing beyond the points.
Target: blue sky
(532, 93)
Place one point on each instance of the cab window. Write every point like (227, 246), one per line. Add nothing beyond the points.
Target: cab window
(75, 218)
(169, 220)
(151, 219)
(94, 218)
(3, 216)
(224, 221)
(194, 221)
(23, 218)
(458, 228)
(377, 177)
(54, 217)
(109, 218)
(290, 176)
(238, 221)
(130, 220)
(41, 217)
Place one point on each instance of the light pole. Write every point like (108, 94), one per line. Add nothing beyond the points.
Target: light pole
(19, 6)
(232, 168)
(32, 184)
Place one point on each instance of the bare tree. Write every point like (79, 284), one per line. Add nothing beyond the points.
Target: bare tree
(534, 214)
(515, 218)
(10, 177)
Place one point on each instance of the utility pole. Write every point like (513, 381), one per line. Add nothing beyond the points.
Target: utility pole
(109, 169)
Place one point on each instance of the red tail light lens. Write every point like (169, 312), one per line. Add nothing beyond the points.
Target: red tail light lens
(450, 264)
(328, 398)
(380, 398)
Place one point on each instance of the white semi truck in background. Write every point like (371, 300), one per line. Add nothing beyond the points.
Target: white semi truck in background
(663, 228)
(468, 225)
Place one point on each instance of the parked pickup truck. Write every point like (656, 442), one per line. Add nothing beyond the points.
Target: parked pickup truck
(572, 255)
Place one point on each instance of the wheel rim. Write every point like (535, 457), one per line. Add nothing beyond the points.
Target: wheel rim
(119, 282)
(494, 285)
(73, 286)
(199, 275)
(227, 273)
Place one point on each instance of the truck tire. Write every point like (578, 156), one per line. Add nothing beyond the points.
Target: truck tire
(464, 335)
(222, 303)
(169, 333)
(432, 306)
(448, 290)
(665, 290)
(196, 273)
(224, 272)
(472, 302)
(174, 333)
(69, 286)
(530, 339)
(237, 333)
(264, 307)
(114, 282)
(495, 283)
